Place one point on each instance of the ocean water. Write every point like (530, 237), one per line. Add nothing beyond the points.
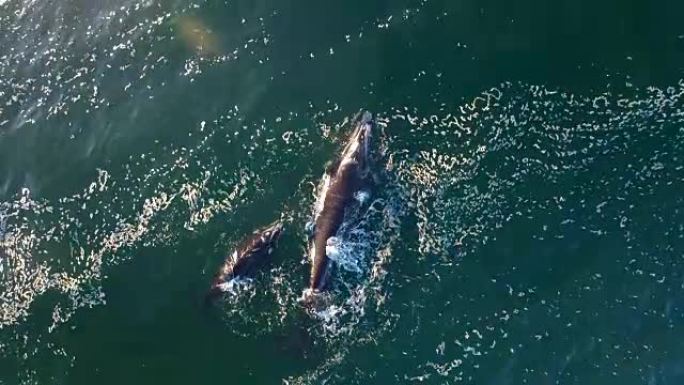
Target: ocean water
(528, 227)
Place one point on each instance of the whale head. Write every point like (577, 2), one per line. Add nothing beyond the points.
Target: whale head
(245, 260)
(271, 233)
(359, 144)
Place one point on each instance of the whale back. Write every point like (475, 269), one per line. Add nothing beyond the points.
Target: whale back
(251, 255)
(340, 193)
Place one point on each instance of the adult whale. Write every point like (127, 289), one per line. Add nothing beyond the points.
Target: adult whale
(343, 180)
(246, 259)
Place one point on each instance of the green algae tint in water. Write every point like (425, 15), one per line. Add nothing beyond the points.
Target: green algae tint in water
(528, 227)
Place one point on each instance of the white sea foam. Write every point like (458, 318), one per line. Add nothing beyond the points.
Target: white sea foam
(237, 285)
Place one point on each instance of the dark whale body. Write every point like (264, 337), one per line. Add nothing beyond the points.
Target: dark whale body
(343, 178)
(248, 257)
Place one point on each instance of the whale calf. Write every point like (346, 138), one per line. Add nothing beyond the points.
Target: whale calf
(246, 259)
(343, 182)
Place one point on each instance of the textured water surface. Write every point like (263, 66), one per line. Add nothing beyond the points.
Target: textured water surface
(526, 225)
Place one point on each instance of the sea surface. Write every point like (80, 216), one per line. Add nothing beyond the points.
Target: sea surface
(527, 226)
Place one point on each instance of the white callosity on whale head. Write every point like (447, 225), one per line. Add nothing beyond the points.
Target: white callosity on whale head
(359, 143)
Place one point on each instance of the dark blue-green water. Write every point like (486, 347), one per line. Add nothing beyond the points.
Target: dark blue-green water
(529, 227)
